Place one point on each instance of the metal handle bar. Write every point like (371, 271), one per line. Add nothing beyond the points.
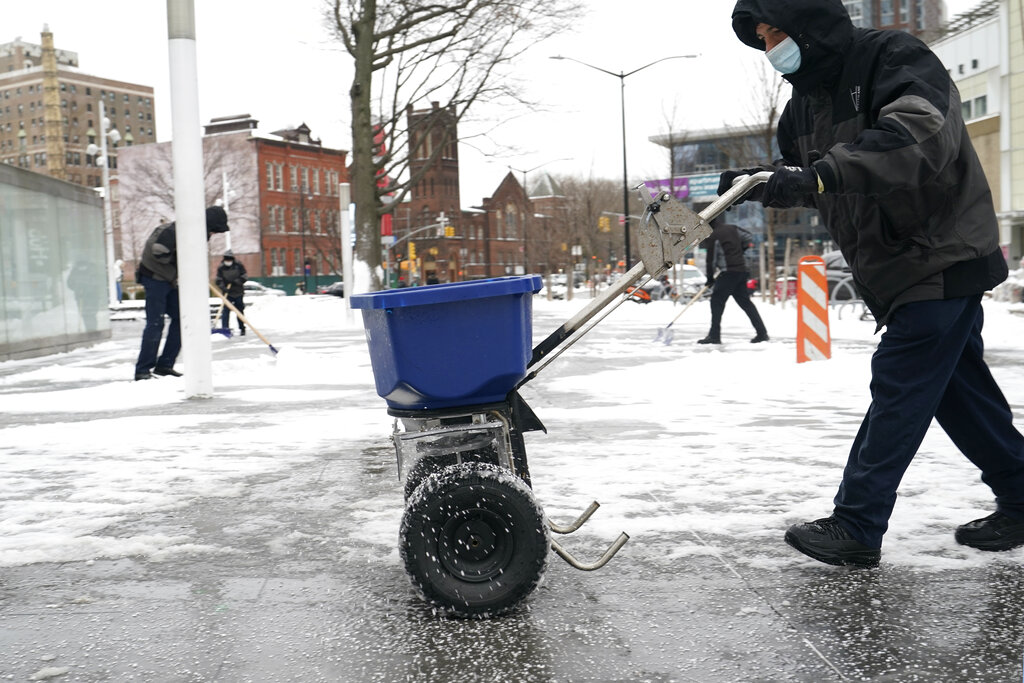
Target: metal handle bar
(559, 338)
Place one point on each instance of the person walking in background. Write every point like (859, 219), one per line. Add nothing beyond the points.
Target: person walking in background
(158, 274)
(873, 137)
(725, 248)
(231, 279)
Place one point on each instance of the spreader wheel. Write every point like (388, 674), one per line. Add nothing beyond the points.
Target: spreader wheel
(473, 540)
(429, 464)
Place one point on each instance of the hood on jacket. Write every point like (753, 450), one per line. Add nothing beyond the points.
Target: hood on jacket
(821, 28)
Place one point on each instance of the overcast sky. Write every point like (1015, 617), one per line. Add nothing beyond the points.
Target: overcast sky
(282, 67)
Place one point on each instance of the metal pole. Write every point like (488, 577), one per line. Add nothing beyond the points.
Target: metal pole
(108, 218)
(187, 155)
(224, 186)
(347, 275)
(302, 227)
(625, 175)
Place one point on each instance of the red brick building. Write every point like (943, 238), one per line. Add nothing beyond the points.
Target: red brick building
(299, 206)
(437, 240)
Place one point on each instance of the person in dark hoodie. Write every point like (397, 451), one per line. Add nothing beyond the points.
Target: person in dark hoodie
(725, 246)
(231, 277)
(158, 274)
(874, 139)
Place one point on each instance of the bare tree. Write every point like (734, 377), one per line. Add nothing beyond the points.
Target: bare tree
(757, 144)
(146, 191)
(573, 218)
(411, 52)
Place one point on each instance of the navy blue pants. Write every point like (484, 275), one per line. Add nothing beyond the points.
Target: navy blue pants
(239, 303)
(733, 283)
(161, 299)
(929, 363)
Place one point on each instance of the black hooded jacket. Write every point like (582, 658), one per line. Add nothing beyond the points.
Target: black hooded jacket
(878, 117)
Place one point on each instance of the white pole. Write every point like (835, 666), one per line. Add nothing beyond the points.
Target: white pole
(108, 219)
(224, 185)
(187, 153)
(347, 277)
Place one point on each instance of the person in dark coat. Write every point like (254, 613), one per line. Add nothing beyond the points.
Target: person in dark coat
(725, 247)
(873, 138)
(158, 274)
(231, 277)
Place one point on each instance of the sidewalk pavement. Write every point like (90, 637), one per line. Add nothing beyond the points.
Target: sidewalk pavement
(304, 582)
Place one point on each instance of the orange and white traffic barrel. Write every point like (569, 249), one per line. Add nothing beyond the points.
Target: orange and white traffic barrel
(813, 341)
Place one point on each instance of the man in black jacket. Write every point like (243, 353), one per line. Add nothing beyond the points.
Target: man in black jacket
(158, 274)
(724, 244)
(874, 139)
(231, 277)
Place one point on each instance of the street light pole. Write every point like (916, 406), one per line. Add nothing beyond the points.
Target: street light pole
(526, 246)
(622, 94)
(108, 217)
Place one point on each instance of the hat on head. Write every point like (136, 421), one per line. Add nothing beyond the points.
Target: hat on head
(216, 220)
(229, 254)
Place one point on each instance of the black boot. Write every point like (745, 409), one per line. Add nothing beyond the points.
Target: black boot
(995, 532)
(761, 337)
(827, 541)
(710, 339)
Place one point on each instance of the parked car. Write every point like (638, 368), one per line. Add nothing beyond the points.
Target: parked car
(256, 289)
(334, 289)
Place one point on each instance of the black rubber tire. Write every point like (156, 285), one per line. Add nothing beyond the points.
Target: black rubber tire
(429, 464)
(423, 468)
(473, 540)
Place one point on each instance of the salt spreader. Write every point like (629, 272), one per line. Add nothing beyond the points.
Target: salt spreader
(449, 361)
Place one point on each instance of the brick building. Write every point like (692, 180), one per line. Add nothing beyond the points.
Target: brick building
(24, 116)
(437, 240)
(281, 192)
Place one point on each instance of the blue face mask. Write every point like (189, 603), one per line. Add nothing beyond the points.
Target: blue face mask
(785, 56)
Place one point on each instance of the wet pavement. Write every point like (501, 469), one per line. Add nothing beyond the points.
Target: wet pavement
(309, 587)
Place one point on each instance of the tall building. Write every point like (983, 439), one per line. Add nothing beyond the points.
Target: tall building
(983, 51)
(922, 18)
(41, 98)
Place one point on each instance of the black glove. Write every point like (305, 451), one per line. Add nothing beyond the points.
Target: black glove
(788, 186)
(726, 179)
(710, 282)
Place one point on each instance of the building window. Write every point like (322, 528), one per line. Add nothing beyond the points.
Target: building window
(965, 108)
(980, 106)
(298, 262)
(316, 181)
(887, 13)
(270, 176)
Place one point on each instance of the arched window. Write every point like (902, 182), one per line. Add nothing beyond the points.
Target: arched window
(511, 220)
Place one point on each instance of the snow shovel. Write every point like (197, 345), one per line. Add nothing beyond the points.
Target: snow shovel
(216, 290)
(667, 334)
(226, 331)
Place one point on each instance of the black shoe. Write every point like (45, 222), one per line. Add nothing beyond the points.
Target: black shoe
(241, 332)
(826, 541)
(761, 336)
(143, 375)
(167, 372)
(710, 339)
(995, 532)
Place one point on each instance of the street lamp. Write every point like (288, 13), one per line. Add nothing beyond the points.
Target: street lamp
(108, 219)
(302, 228)
(622, 90)
(526, 259)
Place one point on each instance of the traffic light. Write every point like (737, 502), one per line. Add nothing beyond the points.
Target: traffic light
(412, 250)
(604, 224)
(449, 231)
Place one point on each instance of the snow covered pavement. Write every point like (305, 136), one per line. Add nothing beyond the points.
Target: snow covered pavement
(252, 536)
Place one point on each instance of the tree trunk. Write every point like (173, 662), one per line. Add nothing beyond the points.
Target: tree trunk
(362, 174)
